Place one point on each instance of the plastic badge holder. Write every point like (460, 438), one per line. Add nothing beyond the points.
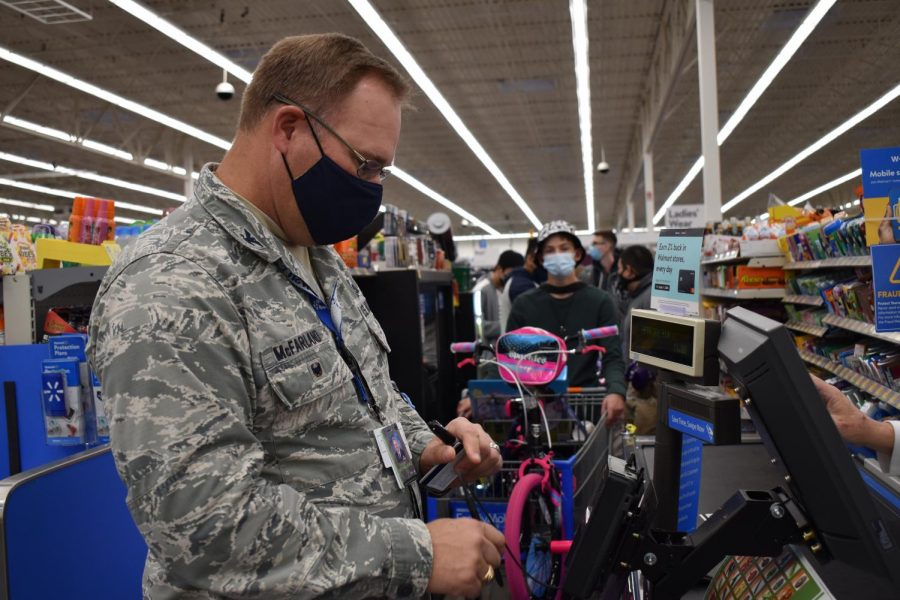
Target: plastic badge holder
(61, 400)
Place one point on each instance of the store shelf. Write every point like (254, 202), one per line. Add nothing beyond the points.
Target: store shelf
(828, 263)
(805, 300)
(862, 327)
(720, 259)
(51, 252)
(744, 294)
(869, 386)
(816, 330)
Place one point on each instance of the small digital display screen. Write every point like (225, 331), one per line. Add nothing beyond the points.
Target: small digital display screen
(665, 340)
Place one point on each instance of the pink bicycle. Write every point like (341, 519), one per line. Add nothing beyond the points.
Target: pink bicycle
(531, 359)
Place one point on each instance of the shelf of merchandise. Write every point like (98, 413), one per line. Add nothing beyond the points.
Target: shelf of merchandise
(805, 300)
(721, 259)
(816, 330)
(862, 327)
(869, 386)
(826, 263)
(744, 294)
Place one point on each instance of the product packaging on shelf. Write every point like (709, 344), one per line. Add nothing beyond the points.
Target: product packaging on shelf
(64, 422)
(72, 346)
(92, 221)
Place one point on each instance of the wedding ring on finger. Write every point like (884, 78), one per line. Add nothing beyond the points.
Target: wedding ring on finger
(489, 576)
(494, 446)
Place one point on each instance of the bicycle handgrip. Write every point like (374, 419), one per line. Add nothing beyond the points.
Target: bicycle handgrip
(463, 347)
(599, 332)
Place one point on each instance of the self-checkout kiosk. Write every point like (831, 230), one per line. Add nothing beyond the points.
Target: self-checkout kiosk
(821, 505)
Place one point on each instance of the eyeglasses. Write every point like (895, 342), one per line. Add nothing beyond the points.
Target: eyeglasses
(367, 169)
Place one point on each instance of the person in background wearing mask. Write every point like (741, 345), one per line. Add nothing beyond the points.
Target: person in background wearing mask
(634, 282)
(489, 290)
(564, 306)
(520, 280)
(605, 255)
(248, 379)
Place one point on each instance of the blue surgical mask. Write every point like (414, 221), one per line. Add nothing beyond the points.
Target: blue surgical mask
(335, 204)
(560, 264)
(594, 253)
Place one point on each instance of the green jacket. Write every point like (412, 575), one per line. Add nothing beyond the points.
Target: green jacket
(587, 308)
(251, 467)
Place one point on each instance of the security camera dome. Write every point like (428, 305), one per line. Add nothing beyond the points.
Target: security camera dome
(603, 167)
(225, 91)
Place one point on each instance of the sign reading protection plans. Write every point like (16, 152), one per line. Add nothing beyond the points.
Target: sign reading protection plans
(676, 272)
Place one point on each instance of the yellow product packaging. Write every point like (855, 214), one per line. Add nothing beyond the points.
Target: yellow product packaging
(24, 248)
(9, 260)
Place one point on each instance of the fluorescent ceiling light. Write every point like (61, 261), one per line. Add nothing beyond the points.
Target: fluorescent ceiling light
(809, 24)
(67, 138)
(107, 96)
(145, 189)
(826, 187)
(187, 41)
(48, 131)
(679, 189)
(107, 149)
(418, 185)
(169, 30)
(218, 59)
(40, 189)
(371, 17)
(578, 13)
(125, 221)
(816, 146)
(31, 205)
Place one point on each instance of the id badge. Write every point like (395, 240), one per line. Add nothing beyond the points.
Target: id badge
(395, 453)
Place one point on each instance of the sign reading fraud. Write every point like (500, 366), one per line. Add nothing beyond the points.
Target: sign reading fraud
(886, 283)
(676, 272)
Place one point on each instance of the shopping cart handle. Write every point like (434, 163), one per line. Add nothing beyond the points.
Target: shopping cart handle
(560, 546)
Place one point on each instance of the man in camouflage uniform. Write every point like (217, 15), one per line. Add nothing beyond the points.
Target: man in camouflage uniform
(242, 423)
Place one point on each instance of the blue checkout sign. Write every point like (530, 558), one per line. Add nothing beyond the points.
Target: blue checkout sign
(697, 431)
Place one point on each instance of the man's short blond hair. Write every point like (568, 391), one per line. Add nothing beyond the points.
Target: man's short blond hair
(317, 71)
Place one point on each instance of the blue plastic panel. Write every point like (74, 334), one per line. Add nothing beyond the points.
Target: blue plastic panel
(22, 365)
(69, 535)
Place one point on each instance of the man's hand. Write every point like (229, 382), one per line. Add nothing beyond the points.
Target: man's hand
(854, 426)
(481, 459)
(614, 409)
(464, 408)
(463, 549)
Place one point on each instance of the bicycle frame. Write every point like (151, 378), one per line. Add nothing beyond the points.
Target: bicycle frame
(536, 473)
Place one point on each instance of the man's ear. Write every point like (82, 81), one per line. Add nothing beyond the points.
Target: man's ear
(285, 124)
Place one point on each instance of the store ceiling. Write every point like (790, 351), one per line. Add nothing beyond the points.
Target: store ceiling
(506, 66)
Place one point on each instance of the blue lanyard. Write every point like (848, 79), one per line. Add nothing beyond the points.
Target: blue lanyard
(325, 316)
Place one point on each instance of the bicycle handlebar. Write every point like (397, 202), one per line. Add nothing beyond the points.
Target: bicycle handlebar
(597, 333)
(463, 347)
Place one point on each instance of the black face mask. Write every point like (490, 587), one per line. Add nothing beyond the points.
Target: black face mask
(622, 282)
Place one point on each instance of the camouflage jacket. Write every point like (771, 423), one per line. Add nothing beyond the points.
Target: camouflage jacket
(251, 466)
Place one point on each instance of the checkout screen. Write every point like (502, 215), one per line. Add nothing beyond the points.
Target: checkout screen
(664, 340)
